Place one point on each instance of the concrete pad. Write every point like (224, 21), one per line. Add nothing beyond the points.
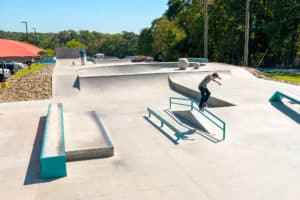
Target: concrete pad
(86, 137)
(258, 160)
(64, 74)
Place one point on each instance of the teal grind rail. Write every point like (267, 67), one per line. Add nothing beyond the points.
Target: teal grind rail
(194, 106)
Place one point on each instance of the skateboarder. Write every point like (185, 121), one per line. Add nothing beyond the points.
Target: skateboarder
(205, 93)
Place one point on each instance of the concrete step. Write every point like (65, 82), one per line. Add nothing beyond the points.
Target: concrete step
(86, 137)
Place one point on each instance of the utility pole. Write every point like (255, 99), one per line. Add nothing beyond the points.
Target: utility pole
(25, 26)
(35, 33)
(246, 42)
(26, 29)
(205, 36)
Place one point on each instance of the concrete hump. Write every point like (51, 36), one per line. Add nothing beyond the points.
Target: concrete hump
(86, 137)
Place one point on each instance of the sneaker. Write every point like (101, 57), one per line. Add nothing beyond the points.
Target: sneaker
(206, 105)
(201, 108)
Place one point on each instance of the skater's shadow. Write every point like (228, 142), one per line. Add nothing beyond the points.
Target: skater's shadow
(185, 135)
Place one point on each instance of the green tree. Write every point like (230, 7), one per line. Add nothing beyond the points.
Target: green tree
(66, 36)
(174, 8)
(119, 45)
(166, 38)
(144, 44)
(226, 31)
(275, 31)
(75, 43)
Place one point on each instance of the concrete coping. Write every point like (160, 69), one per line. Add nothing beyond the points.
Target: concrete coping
(174, 71)
(53, 144)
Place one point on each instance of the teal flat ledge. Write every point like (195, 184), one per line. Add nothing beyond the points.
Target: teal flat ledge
(53, 165)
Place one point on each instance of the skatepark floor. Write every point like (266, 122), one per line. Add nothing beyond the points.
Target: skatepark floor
(258, 160)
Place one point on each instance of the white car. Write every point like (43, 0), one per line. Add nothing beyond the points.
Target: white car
(4, 72)
(19, 65)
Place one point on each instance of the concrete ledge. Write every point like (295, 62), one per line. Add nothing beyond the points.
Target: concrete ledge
(277, 96)
(53, 157)
(199, 60)
(86, 137)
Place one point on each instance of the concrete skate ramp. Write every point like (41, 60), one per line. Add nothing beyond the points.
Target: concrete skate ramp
(97, 85)
(127, 69)
(86, 137)
(94, 81)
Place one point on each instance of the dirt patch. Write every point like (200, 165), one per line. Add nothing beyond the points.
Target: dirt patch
(34, 86)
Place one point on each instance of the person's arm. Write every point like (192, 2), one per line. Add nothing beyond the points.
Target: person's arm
(216, 81)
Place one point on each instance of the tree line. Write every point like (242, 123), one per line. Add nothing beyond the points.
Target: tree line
(118, 45)
(274, 34)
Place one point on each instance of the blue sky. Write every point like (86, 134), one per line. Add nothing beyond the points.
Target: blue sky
(107, 16)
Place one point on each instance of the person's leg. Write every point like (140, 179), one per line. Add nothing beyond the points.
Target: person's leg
(207, 95)
(203, 95)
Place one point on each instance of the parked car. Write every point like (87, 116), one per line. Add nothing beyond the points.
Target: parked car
(90, 59)
(142, 59)
(14, 66)
(5, 72)
(19, 65)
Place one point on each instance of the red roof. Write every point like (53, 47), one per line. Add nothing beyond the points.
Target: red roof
(12, 48)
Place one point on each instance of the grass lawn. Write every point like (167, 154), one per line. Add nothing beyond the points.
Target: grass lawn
(290, 77)
(24, 72)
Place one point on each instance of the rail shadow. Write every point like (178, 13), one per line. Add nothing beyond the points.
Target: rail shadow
(292, 114)
(184, 135)
(168, 136)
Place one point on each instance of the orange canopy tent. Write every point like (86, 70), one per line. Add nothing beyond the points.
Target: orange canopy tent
(13, 49)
